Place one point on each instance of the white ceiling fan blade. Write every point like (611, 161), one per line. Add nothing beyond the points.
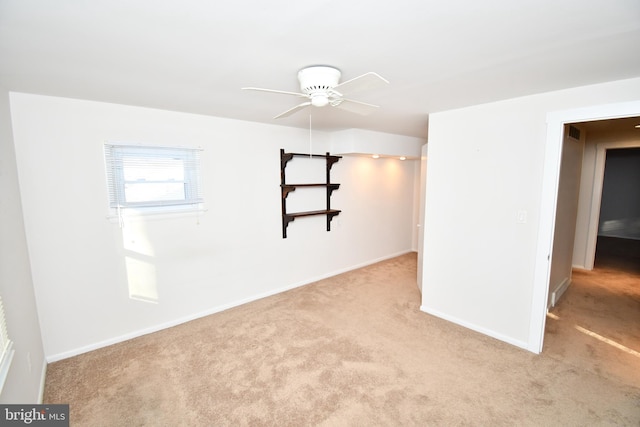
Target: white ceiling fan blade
(275, 91)
(293, 110)
(366, 81)
(356, 107)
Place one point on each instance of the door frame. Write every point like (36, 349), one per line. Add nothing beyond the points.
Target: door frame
(422, 200)
(548, 203)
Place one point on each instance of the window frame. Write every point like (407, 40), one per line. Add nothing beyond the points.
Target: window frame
(119, 156)
(6, 348)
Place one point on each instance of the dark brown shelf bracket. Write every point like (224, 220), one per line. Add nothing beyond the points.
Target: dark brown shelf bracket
(330, 216)
(331, 188)
(286, 189)
(286, 219)
(331, 160)
(284, 158)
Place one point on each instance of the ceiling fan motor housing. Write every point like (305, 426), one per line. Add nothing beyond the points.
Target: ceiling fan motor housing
(317, 82)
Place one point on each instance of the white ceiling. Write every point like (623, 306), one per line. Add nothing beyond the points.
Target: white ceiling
(195, 55)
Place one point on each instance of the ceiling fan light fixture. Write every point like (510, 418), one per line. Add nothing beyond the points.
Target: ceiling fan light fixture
(319, 100)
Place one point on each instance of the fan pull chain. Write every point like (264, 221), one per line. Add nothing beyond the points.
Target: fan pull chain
(310, 143)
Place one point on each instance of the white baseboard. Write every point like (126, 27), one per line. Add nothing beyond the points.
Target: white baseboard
(558, 291)
(217, 309)
(477, 328)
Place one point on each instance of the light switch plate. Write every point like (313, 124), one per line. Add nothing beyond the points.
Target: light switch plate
(521, 217)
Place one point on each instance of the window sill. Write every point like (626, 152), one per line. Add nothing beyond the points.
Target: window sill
(168, 212)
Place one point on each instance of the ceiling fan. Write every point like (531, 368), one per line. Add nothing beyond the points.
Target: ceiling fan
(320, 85)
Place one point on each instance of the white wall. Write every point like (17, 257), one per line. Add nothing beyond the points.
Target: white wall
(26, 375)
(366, 142)
(486, 164)
(418, 195)
(566, 214)
(233, 253)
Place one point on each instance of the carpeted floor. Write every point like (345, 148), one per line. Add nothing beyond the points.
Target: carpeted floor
(354, 350)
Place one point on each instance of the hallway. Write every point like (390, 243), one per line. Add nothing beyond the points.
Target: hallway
(597, 322)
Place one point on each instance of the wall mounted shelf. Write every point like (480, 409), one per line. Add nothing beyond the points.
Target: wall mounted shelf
(285, 188)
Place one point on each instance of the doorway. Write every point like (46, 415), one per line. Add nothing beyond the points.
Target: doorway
(610, 192)
(555, 131)
(602, 137)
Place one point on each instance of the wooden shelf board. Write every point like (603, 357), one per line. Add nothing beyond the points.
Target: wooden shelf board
(310, 213)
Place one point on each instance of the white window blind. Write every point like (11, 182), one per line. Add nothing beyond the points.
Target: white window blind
(148, 177)
(6, 348)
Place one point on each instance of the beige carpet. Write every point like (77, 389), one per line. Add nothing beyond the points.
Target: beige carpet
(354, 350)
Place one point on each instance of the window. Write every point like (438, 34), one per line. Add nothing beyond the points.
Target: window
(153, 179)
(6, 348)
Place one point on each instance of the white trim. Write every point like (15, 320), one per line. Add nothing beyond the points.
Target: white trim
(151, 145)
(213, 310)
(558, 291)
(555, 126)
(476, 328)
(546, 227)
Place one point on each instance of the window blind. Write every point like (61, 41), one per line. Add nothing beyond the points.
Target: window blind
(150, 176)
(6, 348)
